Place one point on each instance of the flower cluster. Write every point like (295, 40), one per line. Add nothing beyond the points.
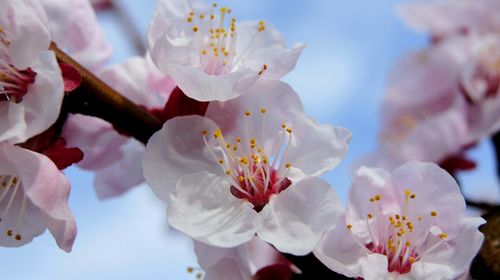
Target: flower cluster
(443, 99)
(237, 161)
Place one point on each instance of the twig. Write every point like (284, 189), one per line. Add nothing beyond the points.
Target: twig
(95, 98)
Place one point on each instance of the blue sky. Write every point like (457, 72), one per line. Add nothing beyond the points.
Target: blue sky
(351, 46)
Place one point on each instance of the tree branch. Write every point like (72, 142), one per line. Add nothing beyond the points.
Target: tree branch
(95, 98)
(496, 144)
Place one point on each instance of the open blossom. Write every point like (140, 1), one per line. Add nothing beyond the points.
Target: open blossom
(74, 27)
(408, 224)
(31, 86)
(212, 56)
(107, 152)
(33, 197)
(248, 261)
(248, 167)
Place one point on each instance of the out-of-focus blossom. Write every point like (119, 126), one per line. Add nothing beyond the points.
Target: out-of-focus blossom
(408, 224)
(441, 18)
(245, 262)
(248, 167)
(33, 197)
(439, 102)
(74, 27)
(212, 56)
(106, 151)
(31, 86)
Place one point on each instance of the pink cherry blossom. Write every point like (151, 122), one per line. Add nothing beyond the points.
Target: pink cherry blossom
(248, 167)
(408, 224)
(242, 262)
(74, 27)
(106, 151)
(33, 197)
(212, 56)
(31, 87)
(450, 17)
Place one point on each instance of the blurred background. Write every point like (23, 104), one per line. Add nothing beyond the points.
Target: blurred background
(351, 47)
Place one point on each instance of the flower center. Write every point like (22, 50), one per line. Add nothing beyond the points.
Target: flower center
(215, 41)
(13, 82)
(10, 187)
(398, 239)
(252, 173)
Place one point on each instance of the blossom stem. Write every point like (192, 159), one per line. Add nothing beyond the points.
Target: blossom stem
(95, 98)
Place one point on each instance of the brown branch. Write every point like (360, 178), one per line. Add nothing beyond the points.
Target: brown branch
(95, 98)
(496, 145)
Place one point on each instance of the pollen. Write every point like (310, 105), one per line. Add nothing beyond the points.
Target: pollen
(263, 110)
(263, 69)
(218, 133)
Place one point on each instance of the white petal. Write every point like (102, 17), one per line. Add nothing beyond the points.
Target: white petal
(176, 150)
(435, 190)
(41, 104)
(224, 269)
(203, 87)
(295, 219)
(204, 208)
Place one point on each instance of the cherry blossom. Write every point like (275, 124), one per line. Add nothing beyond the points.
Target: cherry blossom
(31, 87)
(33, 197)
(212, 56)
(248, 167)
(451, 17)
(247, 261)
(107, 152)
(408, 224)
(74, 27)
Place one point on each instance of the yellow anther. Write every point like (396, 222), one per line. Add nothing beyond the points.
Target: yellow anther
(191, 13)
(289, 130)
(264, 68)
(195, 28)
(229, 172)
(259, 150)
(349, 226)
(8, 232)
(369, 216)
(203, 52)
(241, 179)
(283, 125)
(190, 269)
(263, 110)
(223, 10)
(189, 19)
(378, 197)
(247, 113)
(419, 218)
(199, 275)
(412, 196)
(407, 193)
(238, 139)
(228, 146)
(221, 161)
(202, 16)
(212, 17)
(404, 218)
(18, 237)
(408, 243)
(244, 160)
(217, 133)
(253, 141)
(214, 5)
(443, 235)
(205, 132)
(411, 259)
(373, 200)
(434, 213)
(398, 217)
(288, 165)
